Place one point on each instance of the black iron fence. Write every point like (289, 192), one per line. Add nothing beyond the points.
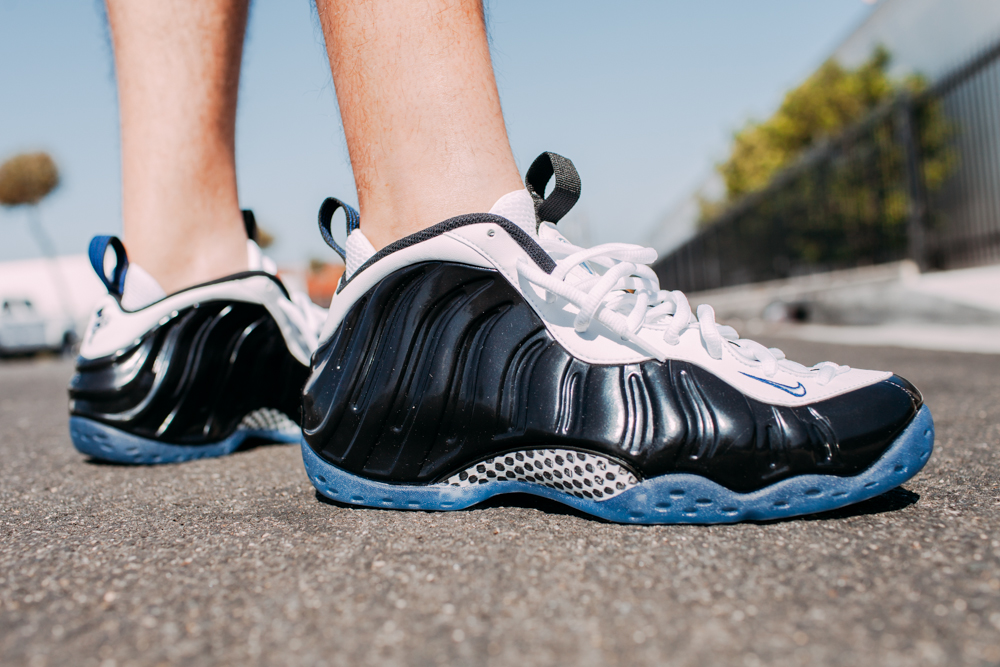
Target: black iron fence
(919, 178)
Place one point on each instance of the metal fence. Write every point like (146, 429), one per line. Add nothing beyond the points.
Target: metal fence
(918, 178)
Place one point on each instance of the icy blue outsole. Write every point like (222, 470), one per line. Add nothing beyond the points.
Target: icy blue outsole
(111, 444)
(679, 498)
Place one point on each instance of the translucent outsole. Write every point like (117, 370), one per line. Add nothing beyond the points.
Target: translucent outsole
(677, 498)
(110, 444)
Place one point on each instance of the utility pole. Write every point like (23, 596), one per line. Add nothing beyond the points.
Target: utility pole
(909, 139)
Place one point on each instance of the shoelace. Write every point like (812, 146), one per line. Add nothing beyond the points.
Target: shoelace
(616, 286)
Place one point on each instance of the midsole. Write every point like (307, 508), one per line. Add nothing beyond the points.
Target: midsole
(671, 498)
(112, 444)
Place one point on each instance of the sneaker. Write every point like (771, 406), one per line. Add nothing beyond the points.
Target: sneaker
(489, 355)
(194, 374)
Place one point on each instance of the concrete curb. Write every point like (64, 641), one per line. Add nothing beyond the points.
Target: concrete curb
(876, 295)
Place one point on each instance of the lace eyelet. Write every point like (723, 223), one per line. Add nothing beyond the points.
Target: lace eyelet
(491, 233)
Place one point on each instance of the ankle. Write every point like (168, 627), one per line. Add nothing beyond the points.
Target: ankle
(177, 260)
(389, 216)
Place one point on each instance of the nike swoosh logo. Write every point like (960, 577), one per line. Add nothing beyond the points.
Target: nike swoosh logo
(797, 390)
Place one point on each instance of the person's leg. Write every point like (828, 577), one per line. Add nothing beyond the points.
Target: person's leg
(420, 110)
(178, 67)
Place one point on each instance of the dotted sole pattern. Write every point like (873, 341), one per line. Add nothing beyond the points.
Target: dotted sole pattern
(579, 474)
(269, 420)
(678, 498)
(110, 444)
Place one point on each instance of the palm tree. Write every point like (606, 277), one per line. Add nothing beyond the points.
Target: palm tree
(25, 180)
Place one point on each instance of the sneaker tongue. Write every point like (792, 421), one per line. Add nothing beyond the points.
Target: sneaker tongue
(518, 207)
(359, 250)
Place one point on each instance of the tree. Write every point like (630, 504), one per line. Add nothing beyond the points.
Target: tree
(25, 180)
(823, 106)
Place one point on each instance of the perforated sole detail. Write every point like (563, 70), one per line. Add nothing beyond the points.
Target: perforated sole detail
(270, 420)
(576, 473)
(679, 498)
(110, 444)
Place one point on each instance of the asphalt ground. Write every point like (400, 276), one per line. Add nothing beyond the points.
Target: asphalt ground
(236, 560)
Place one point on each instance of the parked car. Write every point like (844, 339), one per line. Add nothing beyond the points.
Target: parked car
(24, 330)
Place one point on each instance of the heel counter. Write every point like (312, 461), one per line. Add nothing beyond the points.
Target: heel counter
(192, 377)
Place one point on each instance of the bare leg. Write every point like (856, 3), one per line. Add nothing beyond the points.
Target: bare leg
(178, 67)
(420, 109)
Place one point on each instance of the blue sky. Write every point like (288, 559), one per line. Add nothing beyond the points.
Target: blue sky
(642, 96)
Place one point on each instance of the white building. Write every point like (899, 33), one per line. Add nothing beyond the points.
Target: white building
(41, 281)
(926, 36)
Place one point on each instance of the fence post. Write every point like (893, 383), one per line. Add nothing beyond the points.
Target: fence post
(912, 164)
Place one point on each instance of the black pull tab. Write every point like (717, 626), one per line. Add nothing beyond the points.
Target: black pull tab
(326, 212)
(566, 191)
(97, 251)
(250, 222)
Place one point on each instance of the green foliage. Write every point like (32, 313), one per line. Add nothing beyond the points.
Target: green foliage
(934, 134)
(827, 102)
(27, 178)
(818, 111)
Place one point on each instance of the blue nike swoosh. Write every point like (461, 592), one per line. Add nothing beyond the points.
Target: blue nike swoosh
(798, 390)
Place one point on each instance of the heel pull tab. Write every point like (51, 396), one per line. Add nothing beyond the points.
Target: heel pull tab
(326, 211)
(250, 223)
(97, 252)
(566, 191)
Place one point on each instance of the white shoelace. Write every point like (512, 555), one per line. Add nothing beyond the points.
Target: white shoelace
(614, 284)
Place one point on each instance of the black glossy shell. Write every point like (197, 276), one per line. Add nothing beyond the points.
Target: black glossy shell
(192, 379)
(443, 365)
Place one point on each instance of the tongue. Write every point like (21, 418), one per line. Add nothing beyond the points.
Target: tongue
(518, 207)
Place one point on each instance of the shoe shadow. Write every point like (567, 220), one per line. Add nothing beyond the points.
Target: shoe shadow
(101, 463)
(506, 500)
(890, 501)
(254, 443)
(532, 502)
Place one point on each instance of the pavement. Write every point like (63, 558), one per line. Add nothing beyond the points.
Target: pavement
(236, 560)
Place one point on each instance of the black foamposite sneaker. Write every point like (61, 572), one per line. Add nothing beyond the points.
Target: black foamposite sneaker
(489, 355)
(193, 374)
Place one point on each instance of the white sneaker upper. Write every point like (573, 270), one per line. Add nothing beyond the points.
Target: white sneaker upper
(118, 322)
(141, 289)
(603, 304)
